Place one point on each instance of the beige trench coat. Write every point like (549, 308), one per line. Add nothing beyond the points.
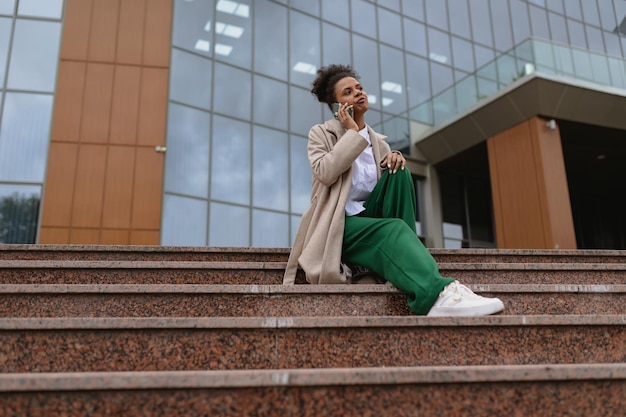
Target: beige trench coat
(318, 243)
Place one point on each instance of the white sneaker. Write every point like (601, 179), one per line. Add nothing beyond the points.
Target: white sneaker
(458, 300)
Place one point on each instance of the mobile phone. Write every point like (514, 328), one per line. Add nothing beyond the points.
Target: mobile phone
(336, 109)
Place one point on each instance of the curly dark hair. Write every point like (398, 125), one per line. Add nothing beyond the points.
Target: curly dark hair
(323, 86)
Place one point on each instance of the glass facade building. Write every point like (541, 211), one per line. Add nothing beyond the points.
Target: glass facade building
(239, 109)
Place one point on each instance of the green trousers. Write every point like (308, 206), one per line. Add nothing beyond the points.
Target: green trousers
(383, 239)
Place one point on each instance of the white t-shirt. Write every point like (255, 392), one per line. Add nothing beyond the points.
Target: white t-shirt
(364, 178)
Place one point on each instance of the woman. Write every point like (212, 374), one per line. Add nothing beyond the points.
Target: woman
(362, 209)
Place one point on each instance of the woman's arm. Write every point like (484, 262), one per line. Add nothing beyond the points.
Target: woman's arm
(329, 159)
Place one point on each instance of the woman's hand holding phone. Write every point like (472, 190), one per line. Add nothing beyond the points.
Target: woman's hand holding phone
(345, 113)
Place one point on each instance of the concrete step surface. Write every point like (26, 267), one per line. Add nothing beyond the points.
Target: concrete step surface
(502, 390)
(148, 344)
(188, 300)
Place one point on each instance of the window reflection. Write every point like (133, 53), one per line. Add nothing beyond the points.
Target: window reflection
(415, 37)
(270, 39)
(304, 46)
(19, 211)
(336, 45)
(270, 229)
(184, 221)
(336, 11)
(481, 22)
(270, 102)
(305, 111)
(190, 79)
(229, 226)
(270, 174)
(187, 157)
(230, 161)
(232, 91)
(192, 26)
(364, 18)
(392, 86)
(24, 136)
(41, 8)
(5, 32)
(34, 55)
(7, 7)
(300, 174)
(390, 28)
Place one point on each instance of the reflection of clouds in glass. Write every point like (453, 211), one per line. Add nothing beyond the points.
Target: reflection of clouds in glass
(187, 157)
(270, 229)
(34, 55)
(300, 175)
(24, 136)
(230, 161)
(41, 8)
(269, 174)
(184, 221)
(230, 225)
(5, 31)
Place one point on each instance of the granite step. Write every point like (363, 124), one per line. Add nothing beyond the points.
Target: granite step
(247, 254)
(184, 344)
(529, 390)
(269, 273)
(187, 300)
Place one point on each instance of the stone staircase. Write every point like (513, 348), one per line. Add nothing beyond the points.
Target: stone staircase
(169, 331)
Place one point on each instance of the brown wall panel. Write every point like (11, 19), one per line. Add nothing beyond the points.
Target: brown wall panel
(125, 105)
(54, 235)
(144, 237)
(153, 107)
(520, 160)
(157, 34)
(89, 186)
(118, 187)
(148, 189)
(103, 33)
(130, 33)
(68, 101)
(97, 103)
(59, 188)
(85, 236)
(76, 27)
(114, 237)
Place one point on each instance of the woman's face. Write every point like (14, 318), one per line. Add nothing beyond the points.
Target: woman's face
(350, 91)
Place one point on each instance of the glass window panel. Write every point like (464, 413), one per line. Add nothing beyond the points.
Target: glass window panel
(270, 102)
(34, 56)
(540, 3)
(608, 17)
(462, 54)
(24, 136)
(466, 93)
(414, 9)
(184, 221)
(439, 46)
(612, 43)
(394, 99)
(232, 91)
(573, 10)
(336, 11)
(582, 65)
(459, 18)
(576, 33)
(444, 105)
(507, 69)
(270, 230)
(304, 44)
(501, 25)
(19, 211)
(481, 22)
(270, 39)
(390, 4)
(397, 131)
(305, 111)
(7, 7)
(441, 77)
(544, 56)
(520, 22)
(233, 35)
(300, 174)
(375, 119)
(486, 87)
(187, 156)
(555, 6)
(191, 30)
(600, 67)
(336, 45)
(539, 22)
(230, 161)
(563, 60)
(270, 188)
(295, 222)
(415, 37)
(558, 28)
(483, 55)
(230, 225)
(595, 40)
(436, 14)
(389, 27)
(190, 79)
(366, 52)
(5, 36)
(312, 7)
(364, 18)
(418, 80)
(590, 12)
(41, 8)
(617, 69)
